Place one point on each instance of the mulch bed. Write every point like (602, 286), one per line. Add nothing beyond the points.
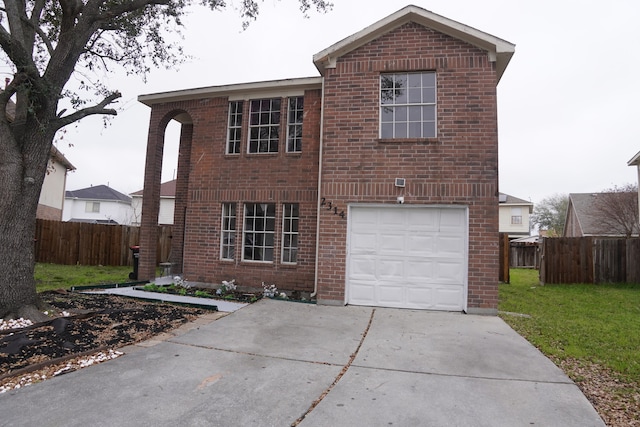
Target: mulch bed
(95, 323)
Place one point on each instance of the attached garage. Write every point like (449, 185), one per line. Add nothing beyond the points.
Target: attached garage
(407, 256)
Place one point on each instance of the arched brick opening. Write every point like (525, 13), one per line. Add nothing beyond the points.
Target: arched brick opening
(161, 115)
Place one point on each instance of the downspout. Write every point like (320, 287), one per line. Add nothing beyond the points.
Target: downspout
(315, 280)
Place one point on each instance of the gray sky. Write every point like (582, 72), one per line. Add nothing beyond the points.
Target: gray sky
(568, 107)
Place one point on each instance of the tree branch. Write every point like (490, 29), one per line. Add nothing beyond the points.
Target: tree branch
(89, 111)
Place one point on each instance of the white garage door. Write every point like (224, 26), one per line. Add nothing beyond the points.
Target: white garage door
(407, 257)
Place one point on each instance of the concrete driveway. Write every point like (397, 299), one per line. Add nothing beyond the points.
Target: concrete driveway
(278, 363)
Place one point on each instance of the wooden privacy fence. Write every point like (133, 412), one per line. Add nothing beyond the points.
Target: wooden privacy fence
(589, 260)
(73, 243)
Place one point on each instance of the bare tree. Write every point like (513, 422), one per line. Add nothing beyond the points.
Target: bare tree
(616, 210)
(46, 42)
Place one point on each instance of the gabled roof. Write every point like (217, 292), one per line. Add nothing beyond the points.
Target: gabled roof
(167, 189)
(582, 206)
(511, 200)
(99, 192)
(635, 160)
(499, 50)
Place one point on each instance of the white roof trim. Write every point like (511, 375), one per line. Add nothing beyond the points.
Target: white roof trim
(499, 50)
(288, 87)
(635, 160)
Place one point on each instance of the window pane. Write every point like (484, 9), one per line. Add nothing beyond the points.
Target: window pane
(386, 130)
(400, 130)
(415, 130)
(429, 130)
(407, 105)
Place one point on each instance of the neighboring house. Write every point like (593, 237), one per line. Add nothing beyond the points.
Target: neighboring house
(514, 216)
(167, 203)
(374, 184)
(581, 219)
(99, 205)
(635, 161)
(51, 203)
(51, 199)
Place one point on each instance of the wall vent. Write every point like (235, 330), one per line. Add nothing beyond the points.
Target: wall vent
(400, 182)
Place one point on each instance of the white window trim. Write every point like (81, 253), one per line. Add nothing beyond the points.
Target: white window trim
(232, 232)
(294, 124)
(229, 127)
(435, 104)
(250, 126)
(265, 232)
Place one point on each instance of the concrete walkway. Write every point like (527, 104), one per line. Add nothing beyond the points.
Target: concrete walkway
(274, 362)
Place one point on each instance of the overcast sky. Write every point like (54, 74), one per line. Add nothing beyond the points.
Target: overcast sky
(568, 103)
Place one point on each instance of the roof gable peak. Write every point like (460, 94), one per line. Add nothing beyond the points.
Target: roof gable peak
(499, 50)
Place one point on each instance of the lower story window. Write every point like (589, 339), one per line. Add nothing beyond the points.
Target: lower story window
(228, 244)
(290, 219)
(259, 231)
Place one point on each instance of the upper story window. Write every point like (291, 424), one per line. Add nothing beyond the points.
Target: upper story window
(516, 216)
(235, 127)
(92, 207)
(408, 105)
(294, 124)
(264, 125)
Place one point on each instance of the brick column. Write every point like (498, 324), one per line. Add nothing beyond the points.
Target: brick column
(182, 188)
(151, 196)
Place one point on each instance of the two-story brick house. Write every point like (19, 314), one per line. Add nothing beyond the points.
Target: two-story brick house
(373, 184)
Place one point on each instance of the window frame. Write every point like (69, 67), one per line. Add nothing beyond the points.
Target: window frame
(234, 125)
(271, 125)
(291, 217)
(228, 228)
(516, 216)
(251, 230)
(295, 119)
(404, 106)
(95, 207)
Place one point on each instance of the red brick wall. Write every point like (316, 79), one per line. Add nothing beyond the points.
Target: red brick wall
(215, 178)
(460, 166)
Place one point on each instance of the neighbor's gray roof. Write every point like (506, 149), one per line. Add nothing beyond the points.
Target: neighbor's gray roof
(167, 189)
(98, 192)
(515, 201)
(589, 223)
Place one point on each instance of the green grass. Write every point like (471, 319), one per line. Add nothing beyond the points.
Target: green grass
(54, 276)
(594, 323)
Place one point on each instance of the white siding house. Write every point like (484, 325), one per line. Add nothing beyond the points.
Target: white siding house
(99, 204)
(167, 203)
(514, 216)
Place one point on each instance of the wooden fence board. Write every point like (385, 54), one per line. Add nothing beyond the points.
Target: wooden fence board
(92, 244)
(590, 260)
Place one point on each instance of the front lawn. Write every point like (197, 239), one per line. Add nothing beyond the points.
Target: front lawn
(55, 276)
(597, 324)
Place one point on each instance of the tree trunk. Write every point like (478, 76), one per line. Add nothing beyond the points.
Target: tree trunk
(22, 169)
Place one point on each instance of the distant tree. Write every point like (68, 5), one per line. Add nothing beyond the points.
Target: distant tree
(46, 42)
(616, 209)
(550, 213)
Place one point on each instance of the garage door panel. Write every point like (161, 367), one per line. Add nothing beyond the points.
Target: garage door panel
(407, 256)
(391, 244)
(390, 269)
(390, 295)
(449, 272)
(448, 298)
(362, 292)
(449, 245)
(420, 244)
(363, 268)
(364, 243)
